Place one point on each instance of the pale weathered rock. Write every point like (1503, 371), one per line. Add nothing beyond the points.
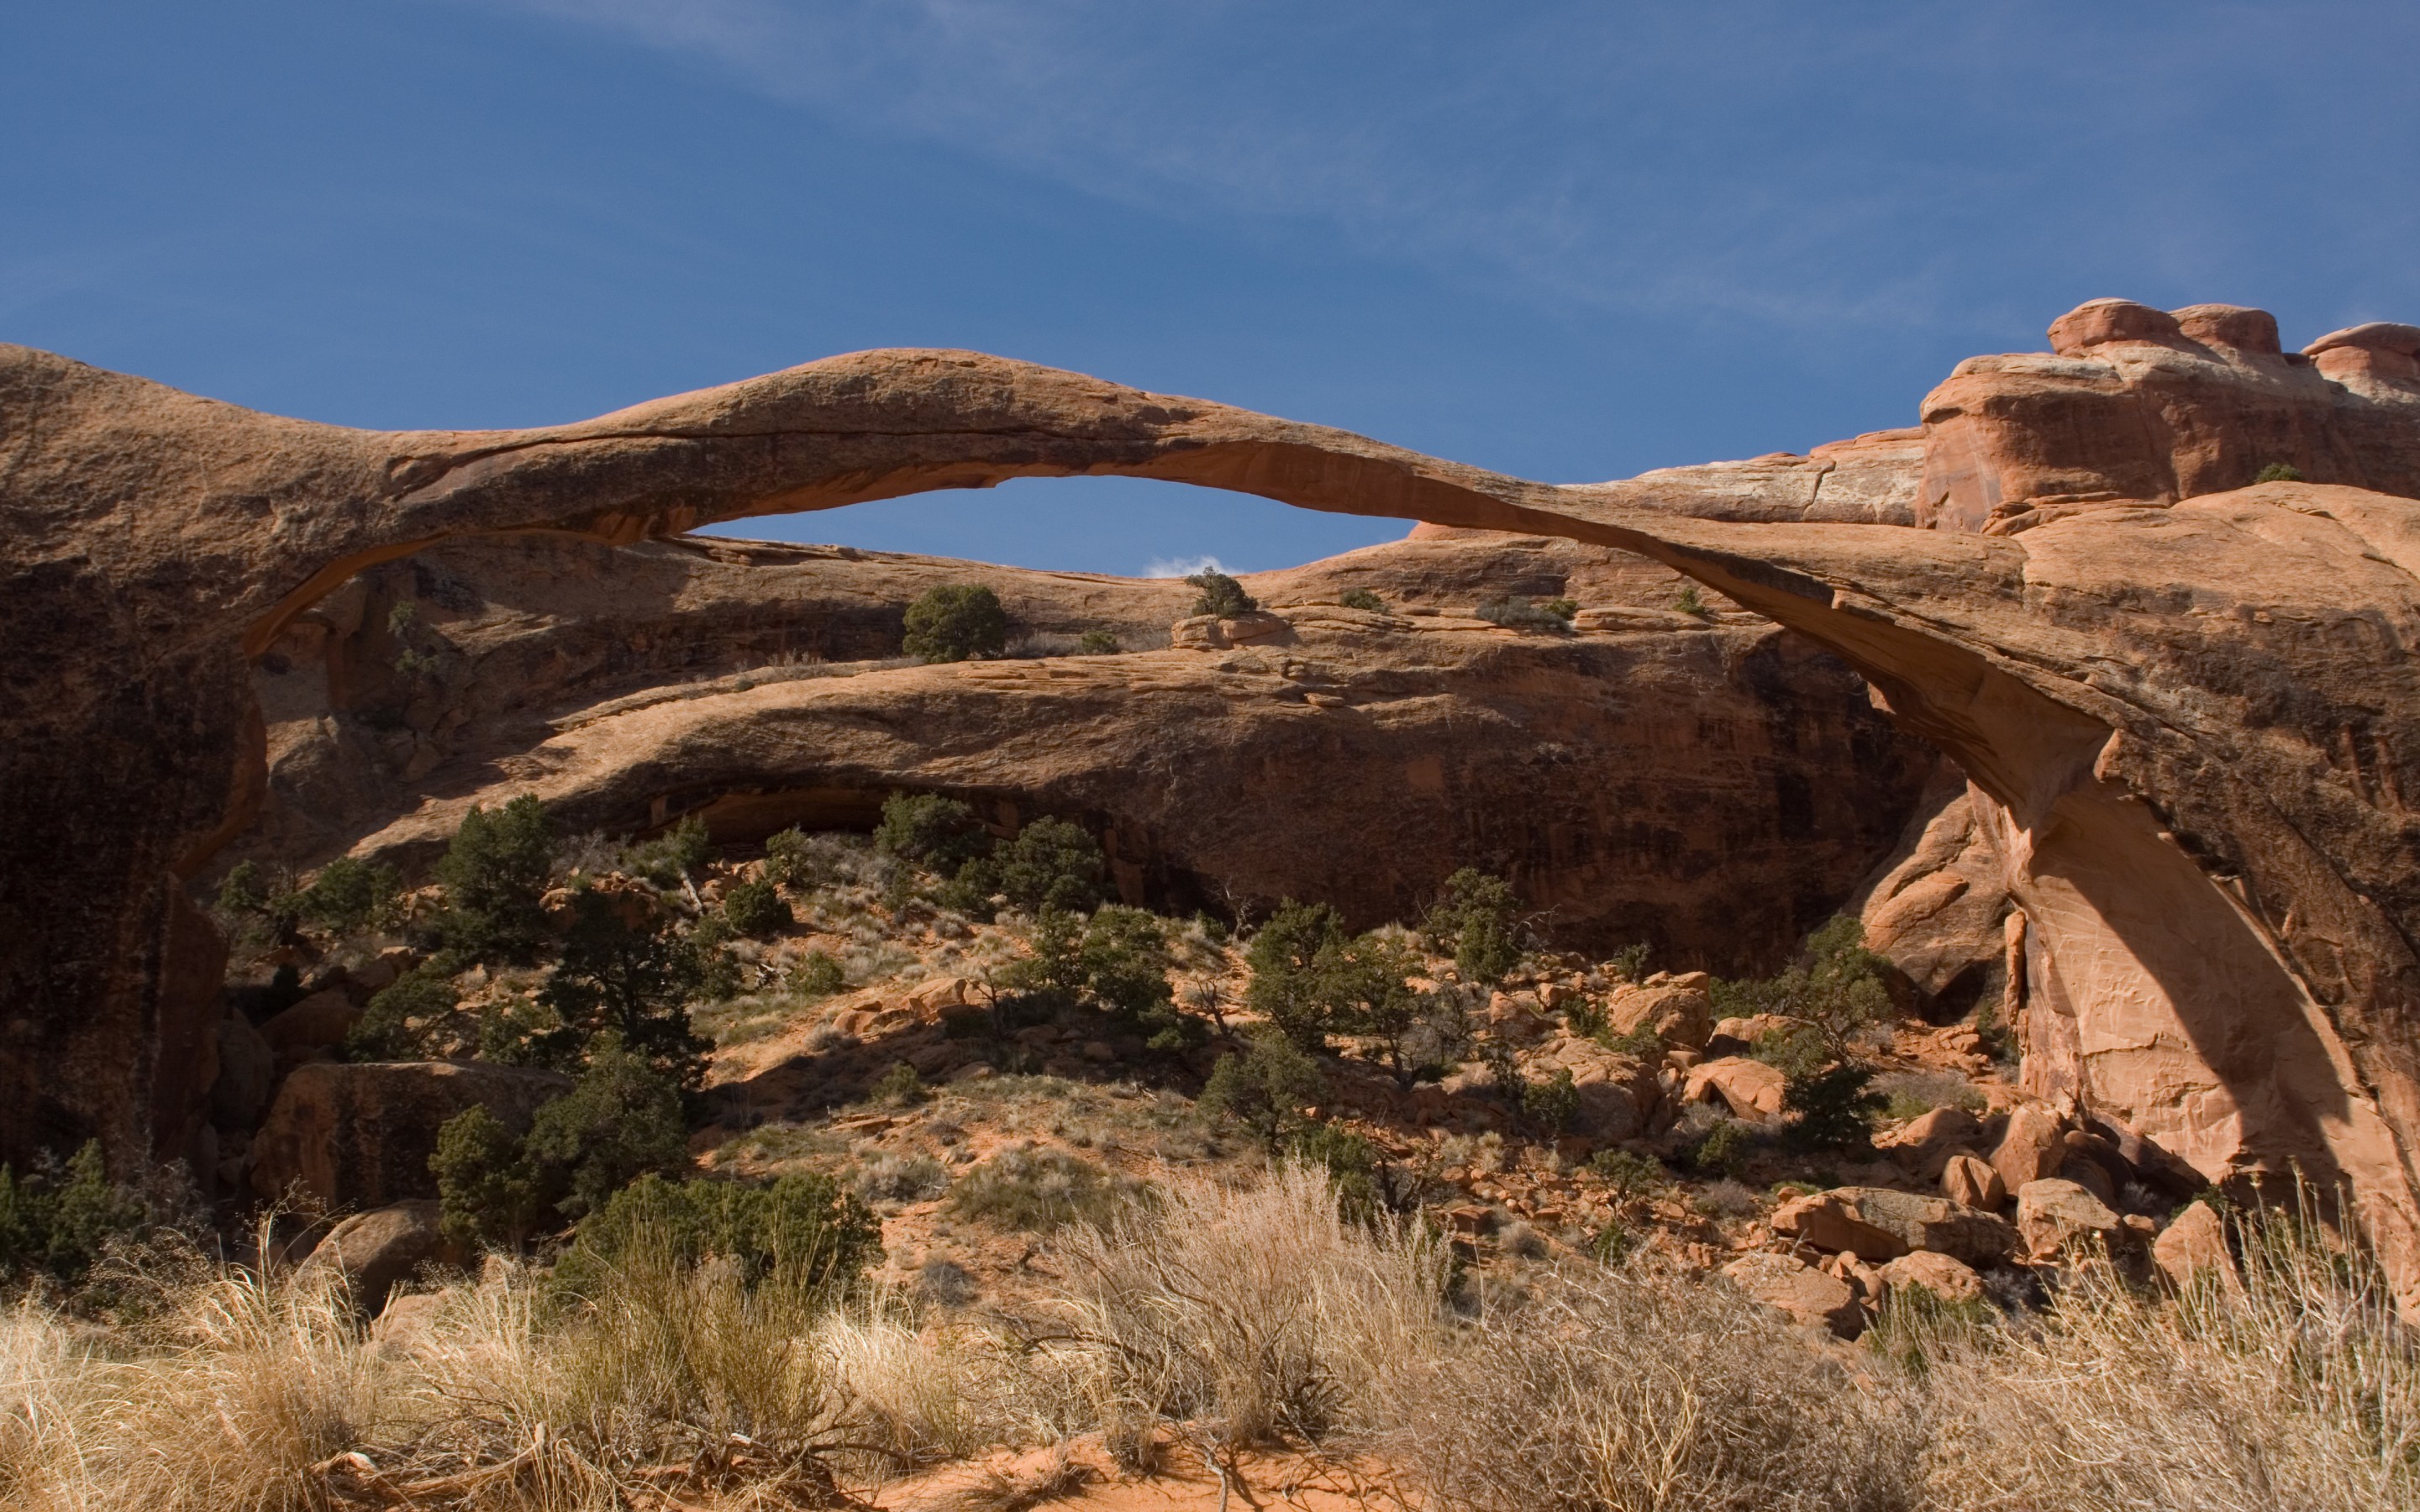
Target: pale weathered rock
(362, 1134)
(1971, 1181)
(2195, 1241)
(2030, 1148)
(1946, 1277)
(1750, 1089)
(2054, 1217)
(381, 1249)
(1680, 1015)
(1799, 1291)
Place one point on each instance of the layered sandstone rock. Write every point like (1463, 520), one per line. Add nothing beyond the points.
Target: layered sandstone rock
(1708, 785)
(2188, 709)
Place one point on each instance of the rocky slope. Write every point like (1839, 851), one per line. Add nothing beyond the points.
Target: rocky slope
(2184, 701)
(1706, 783)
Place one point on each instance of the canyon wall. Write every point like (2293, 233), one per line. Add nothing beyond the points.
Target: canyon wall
(2182, 695)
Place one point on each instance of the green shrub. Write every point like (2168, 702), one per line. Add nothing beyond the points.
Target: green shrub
(1834, 991)
(1479, 919)
(1835, 1108)
(900, 1087)
(1629, 962)
(2278, 472)
(1362, 598)
(1041, 1191)
(1724, 1151)
(636, 981)
(1630, 1176)
(348, 896)
(1565, 610)
(255, 908)
(674, 856)
(1099, 642)
(818, 974)
(622, 1120)
(59, 1221)
(937, 833)
(1293, 986)
(494, 872)
(956, 622)
(806, 1229)
(1221, 595)
(754, 908)
(789, 859)
(1052, 970)
(1126, 963)
(1050, 863)
(1688, 601)
(1422, 1036)
(399, 1023)
(487, 1189)
(1521, 614)
(1350, 1161)
(1264, 1089)
(1551, 1104)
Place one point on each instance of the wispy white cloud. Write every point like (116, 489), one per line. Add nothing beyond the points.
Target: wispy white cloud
(1181, 566)
(1807, 166)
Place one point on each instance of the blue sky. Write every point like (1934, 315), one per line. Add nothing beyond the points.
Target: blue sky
(1568, 241)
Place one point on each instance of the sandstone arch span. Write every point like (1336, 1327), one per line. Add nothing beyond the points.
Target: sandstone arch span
(2188, 717)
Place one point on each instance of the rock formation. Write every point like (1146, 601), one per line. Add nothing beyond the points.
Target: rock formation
(1709, 784)
(2182, 695)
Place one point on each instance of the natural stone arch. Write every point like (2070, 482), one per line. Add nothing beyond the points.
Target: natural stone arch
(157, 540)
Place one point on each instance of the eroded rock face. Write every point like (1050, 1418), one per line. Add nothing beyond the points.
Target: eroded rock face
(362, 1134)
(2189, 710)
(1710, 785)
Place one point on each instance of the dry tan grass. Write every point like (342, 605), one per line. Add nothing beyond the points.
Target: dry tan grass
(2297, 1390)
(227, 1401)
(1637, 1392)
(1248, 1312)
(1225, 1316)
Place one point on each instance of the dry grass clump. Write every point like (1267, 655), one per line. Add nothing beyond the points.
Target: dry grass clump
(2299, 1389)
(228, 1399)
(1629, 1390)
(1248, 1312)
(1222, 1316)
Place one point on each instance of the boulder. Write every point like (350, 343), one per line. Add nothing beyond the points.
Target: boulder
(1611, 1111)
(1945, 1276)
(362, 1134)
(1799, 1291)
(1972, 1182)
(2056, 1217)
(319, 1022)
(1681, 1014)
(1830, 1221)
(247, 1066)
(1881, 1224)
(1750, 1089)
(1926, 1142)
(2031, 1148)
(378, 1250)
(2195, 1241)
